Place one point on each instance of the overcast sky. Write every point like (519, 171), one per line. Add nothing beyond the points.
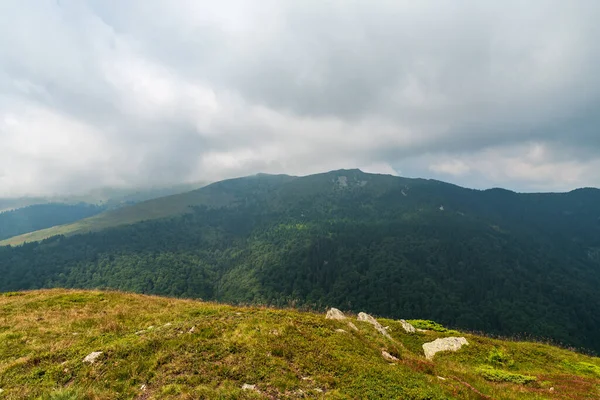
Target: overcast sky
(139, 92)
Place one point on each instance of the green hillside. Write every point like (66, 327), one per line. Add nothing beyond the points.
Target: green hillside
(161, 207)
(524, 265)
(160, 348)
(40, 216)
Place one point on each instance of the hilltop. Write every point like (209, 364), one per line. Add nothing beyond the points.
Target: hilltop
(164, 348)
(493, 261)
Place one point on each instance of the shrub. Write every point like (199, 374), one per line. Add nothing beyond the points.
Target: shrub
(426, 324)
(499, 358)
(498, 375)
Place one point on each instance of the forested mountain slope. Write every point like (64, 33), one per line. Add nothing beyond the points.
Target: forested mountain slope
(41, 216)
(494, 260)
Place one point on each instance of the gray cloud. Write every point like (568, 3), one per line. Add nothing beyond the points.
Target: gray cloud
(483, 94)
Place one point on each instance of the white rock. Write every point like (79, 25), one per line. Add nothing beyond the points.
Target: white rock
(247, 386)
(168, 324)
(143, 388)
(340, 331)
(367, 318)
(318, 390)
(139, 332)
(407, 326)
(445, 344)
(352, 326)
(441, 378)
(1, 390)
(334, 313)
(92, 357)
(388, 356)
(192, 329)
(421, 330)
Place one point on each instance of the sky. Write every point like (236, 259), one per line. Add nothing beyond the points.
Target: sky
(120, 93)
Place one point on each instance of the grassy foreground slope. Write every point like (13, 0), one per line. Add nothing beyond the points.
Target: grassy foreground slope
(162, 348)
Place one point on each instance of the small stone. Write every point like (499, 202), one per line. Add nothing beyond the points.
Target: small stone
(441, 378)
(192, 329)
(274, 332)
(421, 330)
(151, 327)
(247, 386)
(75, 333)
(367, 318)
(318, 390)
(139, 332)
(352, 326)
(388, 356)
(340, 331)
(92, 357)
(551, 389)
(407, 326)
(168, 324)
(143, 388)
(445, 344)
(334, 313)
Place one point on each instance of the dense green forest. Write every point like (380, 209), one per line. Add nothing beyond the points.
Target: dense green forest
(40, 216)
(493, 261)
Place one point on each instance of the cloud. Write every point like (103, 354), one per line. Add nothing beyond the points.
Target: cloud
(98, 93)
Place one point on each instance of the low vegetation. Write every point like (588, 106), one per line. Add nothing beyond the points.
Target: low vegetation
(164, 348)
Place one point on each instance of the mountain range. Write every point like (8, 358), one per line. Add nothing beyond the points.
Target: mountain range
(504, 263)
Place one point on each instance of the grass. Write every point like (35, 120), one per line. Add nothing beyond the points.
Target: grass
(150, 351)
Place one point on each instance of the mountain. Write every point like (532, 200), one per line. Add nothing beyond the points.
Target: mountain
(8, 204)
(159, 348)
(494, 261)
(40, 216)
(42, 222)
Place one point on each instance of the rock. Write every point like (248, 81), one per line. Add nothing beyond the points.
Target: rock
(168, 324)
(143, 388)
(407, 326)
(551, 389)
(352, 326)
(140, 332)
(334, 313)
(247, 386)
(1, 390)
(92, 357)
(445, 344)
(421, 330)
(388, 356)
(367, 318)
(340, 331)
(192, 329)
(441, 378)
(318, 390)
